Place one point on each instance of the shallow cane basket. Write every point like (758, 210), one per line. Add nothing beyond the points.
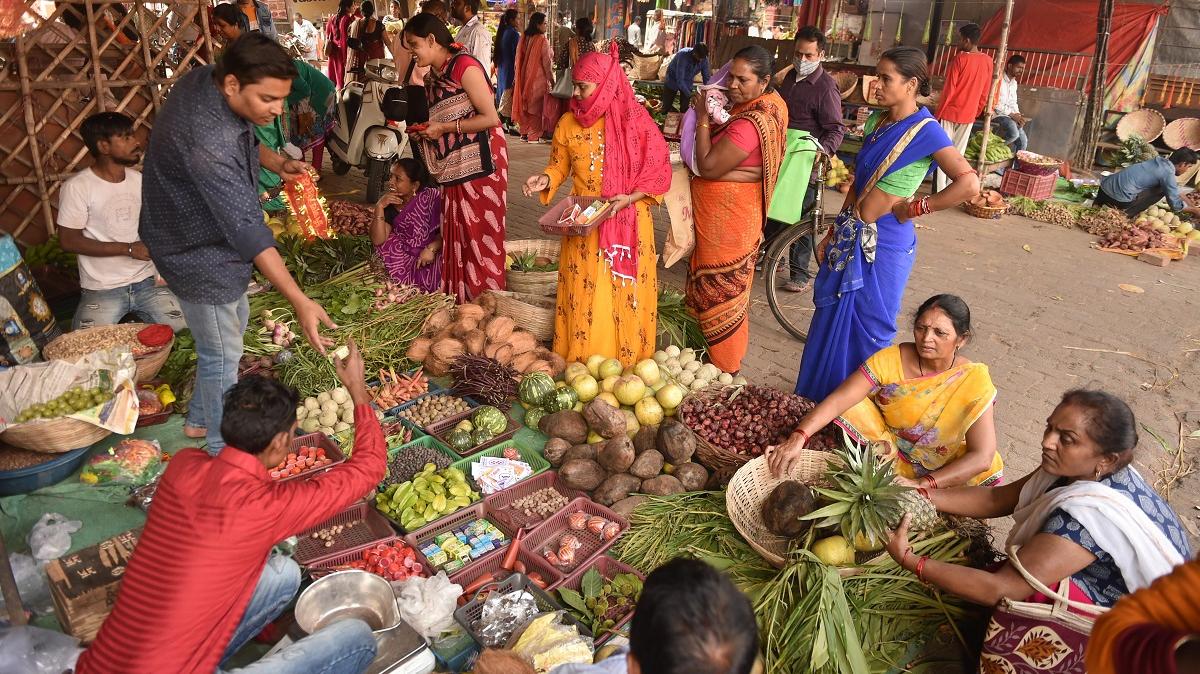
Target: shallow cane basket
(753, 483)
(542, 283)
(846, 82)
(1145, 123)
(531, 312)
(984, 211)
(1183, 132)
(72, 346)
(53, 436)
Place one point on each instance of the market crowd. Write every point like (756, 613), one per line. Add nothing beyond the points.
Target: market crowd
(178, 244)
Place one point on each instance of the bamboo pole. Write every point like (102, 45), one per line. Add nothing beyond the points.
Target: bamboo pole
(8, 585)
(997, 75)
(1085, 156)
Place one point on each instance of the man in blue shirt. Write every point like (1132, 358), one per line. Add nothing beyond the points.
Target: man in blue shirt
(681, 74)
(201, 220)
(1140, 186)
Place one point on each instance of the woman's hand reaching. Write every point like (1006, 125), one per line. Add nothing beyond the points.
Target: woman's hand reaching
(781, 457)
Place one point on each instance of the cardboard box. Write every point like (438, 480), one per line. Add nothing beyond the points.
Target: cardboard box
(84, 584)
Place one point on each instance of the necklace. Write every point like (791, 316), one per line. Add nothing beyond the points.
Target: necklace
(921, 364)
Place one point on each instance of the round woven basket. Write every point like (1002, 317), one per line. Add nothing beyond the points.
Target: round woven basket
(54, 436)
(751, 485)
(985, 212)
(1144, 123)
(531, 312)
(1183, 132)
(1036, 164)
(846, 82)
(69, 347)
(544, 283)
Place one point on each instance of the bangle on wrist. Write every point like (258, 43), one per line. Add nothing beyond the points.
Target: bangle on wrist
(805, 435)
(931, 481)
(920, 570)
(923, 492)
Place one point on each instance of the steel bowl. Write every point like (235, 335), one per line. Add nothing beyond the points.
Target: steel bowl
(348, 594)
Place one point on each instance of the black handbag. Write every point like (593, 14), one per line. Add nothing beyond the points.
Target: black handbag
(414, 94)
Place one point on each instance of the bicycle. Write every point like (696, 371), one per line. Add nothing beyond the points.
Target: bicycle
(776, 259)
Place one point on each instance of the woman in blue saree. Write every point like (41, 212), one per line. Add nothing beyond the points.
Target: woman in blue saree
(866, 258)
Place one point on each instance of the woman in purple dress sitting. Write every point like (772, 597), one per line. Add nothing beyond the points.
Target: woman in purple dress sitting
(406, 230)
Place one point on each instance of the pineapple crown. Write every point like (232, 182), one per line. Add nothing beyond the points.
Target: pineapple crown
(865, 498)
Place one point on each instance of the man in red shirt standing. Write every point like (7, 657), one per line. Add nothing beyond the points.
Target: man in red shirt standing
(203, 580)
(965, 93)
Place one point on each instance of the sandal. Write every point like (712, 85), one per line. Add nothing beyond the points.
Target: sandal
(793, 287)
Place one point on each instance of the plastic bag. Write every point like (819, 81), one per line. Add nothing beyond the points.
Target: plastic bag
(428, 604)
(31, 585)
(133, 461)
(50, 538)
(687, 132)
(33, 650)
(548, 642)
(502, 615)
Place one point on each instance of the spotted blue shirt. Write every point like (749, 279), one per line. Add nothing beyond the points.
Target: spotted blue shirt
(201, 218)
(1102, 580)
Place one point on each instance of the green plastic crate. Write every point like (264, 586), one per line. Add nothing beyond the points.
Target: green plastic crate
(530, 456)
(426, 441)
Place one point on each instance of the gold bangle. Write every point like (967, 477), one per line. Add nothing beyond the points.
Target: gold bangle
(702, 126)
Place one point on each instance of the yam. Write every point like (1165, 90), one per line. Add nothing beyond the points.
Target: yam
(438, 321)
(522, 362)
(474, 341)
(447, 350)
(419, 349)
(615, 488)
(604, 419)
(504, 355)
(617, 455)
(590, 452)
(554, 451)
(663, 485)
(692, 476)
(473, 312)
(784, 506)
(676, 441)
(626, 506)
(499, 329)
(648, 464)
(568, 425)
(522, 342)
(558, 365)
(645, 439)
(582, 474)
(488, 301)
(463, 326)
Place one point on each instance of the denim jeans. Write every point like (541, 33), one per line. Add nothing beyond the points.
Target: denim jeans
(801, 251)
(345, 647)
(218, 330)
(1145, 199)
(149, 302)
(1012, 134)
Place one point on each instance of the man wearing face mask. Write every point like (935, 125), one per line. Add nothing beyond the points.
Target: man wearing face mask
(814, 106)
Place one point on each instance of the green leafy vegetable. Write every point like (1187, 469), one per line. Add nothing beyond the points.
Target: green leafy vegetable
(677, 322)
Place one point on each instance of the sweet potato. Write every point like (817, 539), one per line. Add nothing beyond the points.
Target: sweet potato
(556, 449)
(648, 464)
(568, 425)
(582, 474)
(617, 455)
(692, 476)
(604, 419)
(784, 506)
(625, 506)
(676, 442)
(663, 485)
(646, 438)
(589, 452)
(615, 488)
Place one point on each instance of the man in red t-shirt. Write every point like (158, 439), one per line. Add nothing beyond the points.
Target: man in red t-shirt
(965, 93)
(203, 579)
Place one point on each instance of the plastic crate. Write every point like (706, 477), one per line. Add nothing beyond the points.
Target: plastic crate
(548, 533)
(333, 563)
(395, 411)
(1028, 185)
(608, 568)
(423, 441)
(433, 388)
(535, 460)
(473, 610)
(443, 428)
(500, 503)
(422, 537)
(332, 451)
(369, 528)
(455, 652)
(491, 564)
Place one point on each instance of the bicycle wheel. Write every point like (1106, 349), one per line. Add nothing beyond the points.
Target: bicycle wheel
(792, 310)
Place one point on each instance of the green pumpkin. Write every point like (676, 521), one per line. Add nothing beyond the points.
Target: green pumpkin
(533, 416)
(490, 419)
(560, 399)
(534, 387)
(459, 440)
(481, 436)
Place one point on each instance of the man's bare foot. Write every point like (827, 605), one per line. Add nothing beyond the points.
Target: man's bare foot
(194, 432)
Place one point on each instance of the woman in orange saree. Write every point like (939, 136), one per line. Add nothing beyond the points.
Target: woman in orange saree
(738, 165)
(533, 79)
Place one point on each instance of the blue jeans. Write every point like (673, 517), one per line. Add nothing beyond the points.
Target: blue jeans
(801, 251)
(150, 303)
(218, 330)
(345, 647)
(1013, 135)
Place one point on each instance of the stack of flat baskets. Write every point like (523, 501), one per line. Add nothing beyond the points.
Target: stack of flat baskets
(846, 81)
(1183, 132)
(532, 313)
(1144, 123)
(542, 283)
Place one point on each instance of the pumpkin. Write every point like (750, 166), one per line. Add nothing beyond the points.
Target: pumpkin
(560, 399)
(490, 419)
(534, 387)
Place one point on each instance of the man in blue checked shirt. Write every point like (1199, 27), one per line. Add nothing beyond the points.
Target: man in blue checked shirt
(201, 219)
(681, 74)
(1140, 186)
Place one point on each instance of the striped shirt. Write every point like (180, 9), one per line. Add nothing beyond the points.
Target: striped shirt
(213, 522)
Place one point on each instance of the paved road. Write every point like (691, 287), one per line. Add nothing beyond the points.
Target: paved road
(1048, 318)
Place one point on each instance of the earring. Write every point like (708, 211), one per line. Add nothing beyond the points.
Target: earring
(1097, 472)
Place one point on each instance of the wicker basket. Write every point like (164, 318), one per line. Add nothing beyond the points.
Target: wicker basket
(542, 283)
(985, 212)
(846, 82)
(1144, 123)
(54, 436)
(532, 313)
(1036, 164)
(1183, 132)
(148, 364)
(751, 485)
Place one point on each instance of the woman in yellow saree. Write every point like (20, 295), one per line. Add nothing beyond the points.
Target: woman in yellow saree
(920, 402)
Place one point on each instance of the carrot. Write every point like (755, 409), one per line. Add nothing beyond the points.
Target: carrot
(510, 556)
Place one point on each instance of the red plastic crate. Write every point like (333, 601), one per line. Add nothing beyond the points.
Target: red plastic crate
(501, 502)
(423, 537)
(1028, 185)
(607, 567)
(323, 441)
(369, 528)
(490, 564)
(340, 562)
(548, 533)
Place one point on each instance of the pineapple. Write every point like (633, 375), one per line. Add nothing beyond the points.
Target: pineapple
(866, 501)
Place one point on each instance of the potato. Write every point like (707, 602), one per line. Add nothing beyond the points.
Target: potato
(663, 485)
(568, 425)
(582, 474)
(625, 506)
(646, 438)
(648, 464)
(785, 505)
(692, 476)
(604, 419)
(555, 449)
(616, 488)
(581, 451)
(676, 442)
(617, 455)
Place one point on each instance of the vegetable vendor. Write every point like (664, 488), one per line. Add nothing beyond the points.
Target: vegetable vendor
(203, 580)
(201, 219)
(1008, 121)
(1138, 187)
(407, 227)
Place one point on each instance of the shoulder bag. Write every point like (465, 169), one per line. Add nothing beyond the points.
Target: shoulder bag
(564, 86)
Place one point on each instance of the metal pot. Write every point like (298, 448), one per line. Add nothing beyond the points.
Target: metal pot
(348, 594)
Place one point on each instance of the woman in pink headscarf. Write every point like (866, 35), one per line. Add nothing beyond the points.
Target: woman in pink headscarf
(611, 148)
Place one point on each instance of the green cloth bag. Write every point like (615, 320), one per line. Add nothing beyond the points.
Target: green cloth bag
(799, 154)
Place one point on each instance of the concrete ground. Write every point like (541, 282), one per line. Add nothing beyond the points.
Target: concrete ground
(1049, 312)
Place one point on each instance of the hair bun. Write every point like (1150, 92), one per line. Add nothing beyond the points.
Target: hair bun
(924, 88)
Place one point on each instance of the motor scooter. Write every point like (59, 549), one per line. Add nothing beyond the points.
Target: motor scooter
(370, 131)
